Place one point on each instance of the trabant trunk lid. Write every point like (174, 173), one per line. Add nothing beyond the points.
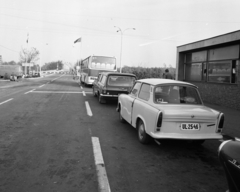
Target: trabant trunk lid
(188, 111)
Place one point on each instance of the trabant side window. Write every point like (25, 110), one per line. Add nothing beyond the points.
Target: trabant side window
(135, 89)
(145, 92)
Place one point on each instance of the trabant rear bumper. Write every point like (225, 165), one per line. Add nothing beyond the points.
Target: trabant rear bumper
(185, 136)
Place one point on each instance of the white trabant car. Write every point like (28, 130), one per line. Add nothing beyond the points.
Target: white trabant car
(169, 109)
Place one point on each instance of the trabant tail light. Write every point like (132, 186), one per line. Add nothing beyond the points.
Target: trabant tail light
(159, 120)
(220, 123)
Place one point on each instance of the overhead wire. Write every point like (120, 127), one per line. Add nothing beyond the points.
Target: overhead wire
(122, 18)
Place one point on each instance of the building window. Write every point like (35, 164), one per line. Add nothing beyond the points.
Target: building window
(219, 71)
(194, 72)
(218, 65)
(196, 56)
(224, 53)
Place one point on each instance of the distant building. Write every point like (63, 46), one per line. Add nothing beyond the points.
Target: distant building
(213, 65)
(0, 59)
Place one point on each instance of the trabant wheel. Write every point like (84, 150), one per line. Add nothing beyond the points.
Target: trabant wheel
(143, 137)
(121, 119)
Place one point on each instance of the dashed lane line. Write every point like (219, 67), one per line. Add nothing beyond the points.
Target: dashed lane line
(29, 91)
(89, 111)
(6, 101)
(41, 85)
(56, 78)
(84, 93)
(103, 183)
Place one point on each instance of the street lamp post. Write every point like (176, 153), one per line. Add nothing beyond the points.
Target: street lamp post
(122, 31)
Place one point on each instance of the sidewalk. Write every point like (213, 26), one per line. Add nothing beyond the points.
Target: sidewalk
(232, 120)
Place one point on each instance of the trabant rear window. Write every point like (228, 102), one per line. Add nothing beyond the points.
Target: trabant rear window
(176, 94)
(121, 81)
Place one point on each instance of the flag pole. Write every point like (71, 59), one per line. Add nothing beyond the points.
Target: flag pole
(25, 67)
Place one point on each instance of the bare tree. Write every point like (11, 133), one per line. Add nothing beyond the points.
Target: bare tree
(29, 56)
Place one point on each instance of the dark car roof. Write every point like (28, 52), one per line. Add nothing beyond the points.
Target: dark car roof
(117, 73)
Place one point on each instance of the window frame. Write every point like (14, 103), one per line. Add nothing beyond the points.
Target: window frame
(143, 98)
(234, 67)
(136, 94)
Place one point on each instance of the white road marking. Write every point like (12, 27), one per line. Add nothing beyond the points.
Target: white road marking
(57, 78)
(30, 91)
(103, 183)
(81, 87)
(6, 101)
(84, 93)
(42, 85)
(89, 111)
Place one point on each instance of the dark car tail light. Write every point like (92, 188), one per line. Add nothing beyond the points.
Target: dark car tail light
(220, 123)
(159, 120)
(104, 90)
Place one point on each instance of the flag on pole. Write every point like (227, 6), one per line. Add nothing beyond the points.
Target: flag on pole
(78, 40)
(27, 37)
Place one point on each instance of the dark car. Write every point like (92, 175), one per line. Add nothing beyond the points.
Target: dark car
(109, 85)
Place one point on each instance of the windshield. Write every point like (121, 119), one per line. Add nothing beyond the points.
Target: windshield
(176, 94)
(103, 63)
(126, 81)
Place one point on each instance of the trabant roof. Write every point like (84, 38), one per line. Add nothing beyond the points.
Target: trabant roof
(117, 73)
(158, 81)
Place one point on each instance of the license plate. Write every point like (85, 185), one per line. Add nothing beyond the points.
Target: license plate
(190, 126)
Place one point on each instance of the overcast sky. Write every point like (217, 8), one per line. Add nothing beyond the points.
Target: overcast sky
(161, 26)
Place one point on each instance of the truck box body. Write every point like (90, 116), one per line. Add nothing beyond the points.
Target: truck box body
(7, 70)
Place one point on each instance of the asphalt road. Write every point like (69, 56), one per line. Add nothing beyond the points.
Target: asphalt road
(47, 131)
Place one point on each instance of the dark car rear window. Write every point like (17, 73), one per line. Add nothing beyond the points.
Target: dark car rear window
(115, 80)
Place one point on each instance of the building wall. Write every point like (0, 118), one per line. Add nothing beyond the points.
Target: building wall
(225, 94)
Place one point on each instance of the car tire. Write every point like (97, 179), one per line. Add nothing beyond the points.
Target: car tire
(100, 99)
(143, 137)
(121, 119)
(198, 142)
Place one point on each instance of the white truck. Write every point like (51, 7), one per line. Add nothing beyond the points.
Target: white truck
(7, 70)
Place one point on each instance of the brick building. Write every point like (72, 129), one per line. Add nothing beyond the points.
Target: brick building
(213, 65)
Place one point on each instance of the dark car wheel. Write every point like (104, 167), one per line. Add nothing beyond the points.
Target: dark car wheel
(143, 137)
(101, 99)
